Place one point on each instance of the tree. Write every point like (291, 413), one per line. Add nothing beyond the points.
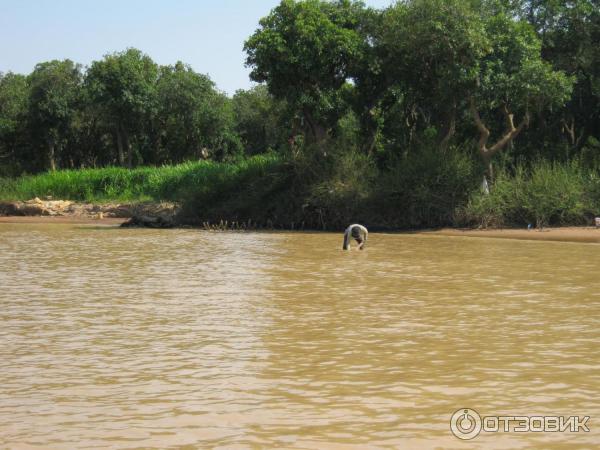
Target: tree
(370, 93)
(304, 52)
(457, 57)
(14, 92)
(570, 34)
(261, 121)
(513, 80)
(431, 53)
(54, 90)
(224, 143)
(193, 119)
(90, 142)
(123, 85)
(182, 97)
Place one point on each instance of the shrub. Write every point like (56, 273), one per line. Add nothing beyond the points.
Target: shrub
(554, 194)
(591, 195)
(424, 188)
(342, 195)
(174, 183)
(543, 194)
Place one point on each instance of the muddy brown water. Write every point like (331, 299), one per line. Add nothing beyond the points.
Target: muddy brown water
(114, 338)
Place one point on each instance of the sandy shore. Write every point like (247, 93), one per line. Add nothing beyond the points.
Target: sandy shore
(563, 234)
(108, 221)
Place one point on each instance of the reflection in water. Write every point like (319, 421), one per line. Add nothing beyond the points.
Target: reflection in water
(146, 338)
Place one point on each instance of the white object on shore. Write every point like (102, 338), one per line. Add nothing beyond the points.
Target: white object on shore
(597, 222)
(485, 187)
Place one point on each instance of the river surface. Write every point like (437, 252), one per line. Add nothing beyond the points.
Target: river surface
(130, 339)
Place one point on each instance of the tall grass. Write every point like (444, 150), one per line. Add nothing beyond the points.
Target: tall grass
(421, 189)
(318, 190)
(424, 188)
(144, 183)
(543, 194)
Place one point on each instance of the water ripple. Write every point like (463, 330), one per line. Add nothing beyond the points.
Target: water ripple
(151, 339)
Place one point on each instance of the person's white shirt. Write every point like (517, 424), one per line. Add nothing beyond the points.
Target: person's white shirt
(358, 232)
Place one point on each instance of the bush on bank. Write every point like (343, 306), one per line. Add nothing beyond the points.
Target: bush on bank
(543, 194)
(327, 190)
(119, 184)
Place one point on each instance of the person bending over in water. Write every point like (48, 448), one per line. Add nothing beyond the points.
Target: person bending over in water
(358, 233)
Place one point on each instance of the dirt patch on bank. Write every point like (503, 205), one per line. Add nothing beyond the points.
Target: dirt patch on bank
(70, 212)
(561, 234)
(111, 221)
(164, 215)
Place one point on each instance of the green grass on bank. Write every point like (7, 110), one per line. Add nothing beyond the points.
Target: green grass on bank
(541, 194)
(170, 183)
(425, 189)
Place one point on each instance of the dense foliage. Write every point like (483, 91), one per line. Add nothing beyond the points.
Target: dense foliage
(392, 116)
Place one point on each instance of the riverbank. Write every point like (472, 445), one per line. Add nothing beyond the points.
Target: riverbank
(426, 190)
(71, 211)
(560, 234)
(105, 221)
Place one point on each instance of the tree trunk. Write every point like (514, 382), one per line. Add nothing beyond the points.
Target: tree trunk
(448, 132)
(369, 127)
(370, 146)
(51, 154)
(511, 133)
(129, 152)
(448, 127)
(569, 130)
(120, 153)
(411, 124)
(317, 131)
(489, 167)
(582, 139)
(292, 138)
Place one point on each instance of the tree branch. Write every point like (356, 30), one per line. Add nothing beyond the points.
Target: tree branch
(484, 133)
(509, 117)
(582, 139)
(450, 128)
(509, 135)
(569, 129)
